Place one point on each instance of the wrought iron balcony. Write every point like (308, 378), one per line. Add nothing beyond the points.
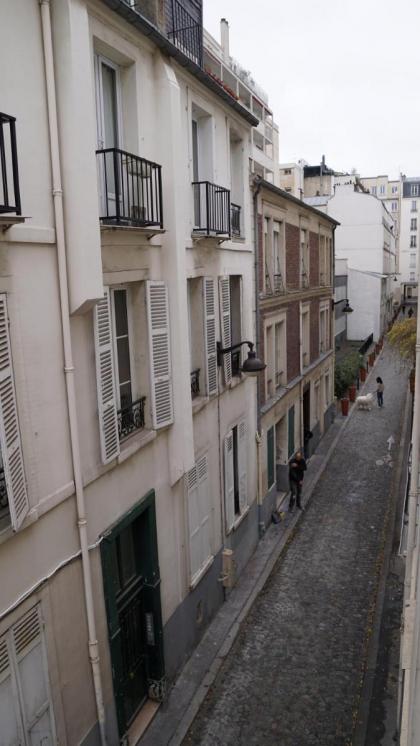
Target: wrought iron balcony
(235, 219)
(195, 383)
(9, 173)
(131, 418)
(186, 33)
(130, 189)
(211, 209)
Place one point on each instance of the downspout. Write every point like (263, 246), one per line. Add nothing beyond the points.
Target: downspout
(258, 434)
(68, 357)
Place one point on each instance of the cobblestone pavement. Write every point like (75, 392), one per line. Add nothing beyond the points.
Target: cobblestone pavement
(294, 674)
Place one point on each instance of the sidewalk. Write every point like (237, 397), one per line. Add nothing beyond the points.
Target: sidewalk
(176, 715)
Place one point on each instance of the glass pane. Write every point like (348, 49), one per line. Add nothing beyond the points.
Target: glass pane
(109, 89)
(123, 351)
(125, 395)
(121, 320)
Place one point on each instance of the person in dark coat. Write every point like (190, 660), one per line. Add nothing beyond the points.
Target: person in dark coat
(410, 313)
(297, 468)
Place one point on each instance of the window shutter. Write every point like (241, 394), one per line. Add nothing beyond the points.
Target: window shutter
(194, 521)
(105, 379)
(11, 724)
(229, 482)
(204, 507)
(242, 462)
(210, 335)
(11, 449)
(159, 353)
(225, 327)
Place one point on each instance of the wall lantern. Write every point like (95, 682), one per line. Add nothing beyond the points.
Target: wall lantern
(252, 365)
(347, 308)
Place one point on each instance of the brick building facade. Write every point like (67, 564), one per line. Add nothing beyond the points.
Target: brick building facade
(295, 335)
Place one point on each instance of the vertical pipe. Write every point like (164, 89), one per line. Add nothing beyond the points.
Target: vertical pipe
(258, 437)
(68, 360)
(15, 170)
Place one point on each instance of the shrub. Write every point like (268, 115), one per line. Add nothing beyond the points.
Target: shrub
(346, 372)
(402, 338)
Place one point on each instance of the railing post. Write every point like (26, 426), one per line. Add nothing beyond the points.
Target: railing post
(160, 195)
(3, 167)
(117, 191)
(207, 208)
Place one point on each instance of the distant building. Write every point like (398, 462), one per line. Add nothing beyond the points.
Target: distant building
(409, 235)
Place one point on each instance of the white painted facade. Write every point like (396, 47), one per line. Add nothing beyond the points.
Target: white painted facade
(409, 229)
(365, 238)
(184, 439)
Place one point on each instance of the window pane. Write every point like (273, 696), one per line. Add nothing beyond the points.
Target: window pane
(109, 89)
(120, 304)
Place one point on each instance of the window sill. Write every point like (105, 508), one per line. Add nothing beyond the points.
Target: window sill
(240, 518)
(198, 403)
(134, 443)
(200, 574)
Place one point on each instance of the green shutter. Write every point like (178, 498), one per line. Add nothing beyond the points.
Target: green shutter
(291, 431)
(270, 457)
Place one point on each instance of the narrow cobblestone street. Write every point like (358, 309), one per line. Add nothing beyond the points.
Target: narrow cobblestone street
(294, 675)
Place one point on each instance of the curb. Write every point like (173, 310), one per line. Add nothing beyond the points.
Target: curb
(200, 694)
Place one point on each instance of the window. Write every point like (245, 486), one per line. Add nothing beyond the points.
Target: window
(235, 471)
(412, 260)
(274, 256)
(291, 432)
(324, 260)
(413, 224)
(305, 332)
(414, 190)
(109, 128)
(121, 405)
(199, 522)
(412, 276)
(25, 698)
(275, 353)
(413, 242)
(317, 402)
(324, 327)
(394, 190)
(374, 190)
(414, 205)
(381, 189)
(230, 304)
(327, 390)
(271, 457)
(236, 182)
(304, 258)
(202, 336)
(287, 171)
(394, 206)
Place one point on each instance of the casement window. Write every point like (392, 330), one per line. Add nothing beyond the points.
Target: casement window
(199, 517)
(413, 242)
(381, 189)
(275, 347)
(271, 457)
(412, 260)
(413, 224)
(230, 311)
(374, 190)
(324, 260)
(317, 401)
(235, 473)
(26, 714)
(324, 327)
(394, 190)
(304, 258)
(121, 398)
(274, 255)
(305, 335)
(394, 206)
(14, 503)
(412, 276)
(327, 390)
(414, 190)
(414, 205)
(202, 336)
(236, 183)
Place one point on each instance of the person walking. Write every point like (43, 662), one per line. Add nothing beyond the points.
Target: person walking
(297, 468)
(380, 391)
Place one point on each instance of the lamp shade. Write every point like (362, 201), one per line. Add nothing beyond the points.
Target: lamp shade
(347, 308)
(253, 365)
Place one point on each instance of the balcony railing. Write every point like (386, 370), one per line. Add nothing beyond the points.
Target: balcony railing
(186, 33)
(195, 382)
(131, 418)
(9, 174)
(236, 362)
(211, 209)
(130, 189)
(235, 219)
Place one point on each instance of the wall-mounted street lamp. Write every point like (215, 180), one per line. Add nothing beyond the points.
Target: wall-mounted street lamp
(252, 365)
(347, 308)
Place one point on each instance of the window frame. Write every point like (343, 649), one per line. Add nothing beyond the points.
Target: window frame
(130, 328)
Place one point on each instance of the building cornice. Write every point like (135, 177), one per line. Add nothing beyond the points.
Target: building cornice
(290, 198)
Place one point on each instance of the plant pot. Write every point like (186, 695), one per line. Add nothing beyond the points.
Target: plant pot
(371, 359)
(352, 392)
(363, 372)
(377, 348)
(344, 407)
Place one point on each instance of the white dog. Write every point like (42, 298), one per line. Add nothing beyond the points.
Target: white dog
(365, 402)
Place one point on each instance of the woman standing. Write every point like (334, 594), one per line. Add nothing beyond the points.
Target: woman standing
(380, 391)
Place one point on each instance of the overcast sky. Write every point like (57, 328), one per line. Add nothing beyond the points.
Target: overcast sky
(342, 76)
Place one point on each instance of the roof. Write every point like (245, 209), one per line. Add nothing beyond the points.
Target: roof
(286, 195)
(149, 29)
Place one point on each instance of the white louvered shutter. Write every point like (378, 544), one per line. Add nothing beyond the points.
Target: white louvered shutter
(204, 507)
(159, 353)
(11, 725)
(242, 464)
(11, 448)
(105, 378)
(210, 335)
(193, 521)
(229, 482)
(225, 327)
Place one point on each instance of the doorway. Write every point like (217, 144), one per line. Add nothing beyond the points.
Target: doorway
(306, 407)
(132, 596)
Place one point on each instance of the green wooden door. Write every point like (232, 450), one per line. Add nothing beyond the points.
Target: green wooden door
(270, 457)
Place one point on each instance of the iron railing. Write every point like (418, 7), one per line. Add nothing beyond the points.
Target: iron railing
(130, 189)
(195, 382)
(235, 219)
(211, 209)
(366, 344)
(186, 33)
(131, 417)
(236, 362)
(9, 173)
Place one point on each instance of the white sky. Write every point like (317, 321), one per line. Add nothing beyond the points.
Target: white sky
(342, 76)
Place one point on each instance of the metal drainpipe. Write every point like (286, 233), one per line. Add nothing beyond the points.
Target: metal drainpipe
(68, 357)
(258, 436)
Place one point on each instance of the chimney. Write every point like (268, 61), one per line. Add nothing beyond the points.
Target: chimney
(224, 39)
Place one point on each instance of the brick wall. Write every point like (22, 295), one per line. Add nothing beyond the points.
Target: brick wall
(293, 346)
(313, 259)
(292, 256)
(314, 329)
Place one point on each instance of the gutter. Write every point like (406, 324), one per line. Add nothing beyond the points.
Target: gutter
(149, 29)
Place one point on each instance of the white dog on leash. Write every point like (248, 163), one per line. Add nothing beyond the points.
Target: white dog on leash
(365, 402)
